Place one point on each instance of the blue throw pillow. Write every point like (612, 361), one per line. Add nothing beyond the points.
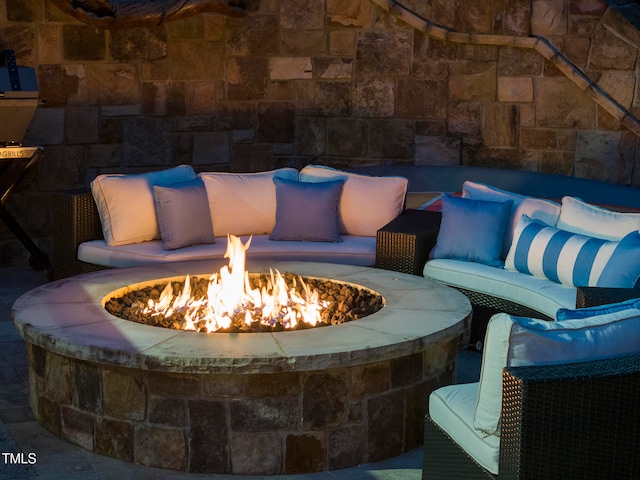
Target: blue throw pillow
(307, 211)
(472, 230)
(578, 313)
(182, 210)
(573, 259)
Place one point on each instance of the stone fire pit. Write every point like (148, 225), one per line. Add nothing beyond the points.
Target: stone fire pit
(253, 403)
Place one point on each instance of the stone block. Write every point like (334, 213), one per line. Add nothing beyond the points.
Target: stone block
(83, 43)
(472, 81)
(124, 394)
(383, 53)
(310, 135)
(255, 453)
(420, 99)
(113, 84)
(276, 122)
(332, 68)
(431, 69)
(347, 137)
(81, 125)
(196, 60)
(437, 150)
(431, 128)
(214, 27)
(355, 13)
(370, 379)
(48, 414)
(465, 118)
(166, 411)
(557, 163)
(208, 437)
(515, 89)
(247, 78)
(267, 385)
(500, 125)
(135, 44)
(24, 11)
(324, 399)
(49, 39)
(253, 35)
(345, 447)
(610, 52)
(302, 14)
(590, 7)
(114, 438)
(87, 389)
(46, 128)
(163, 98)
(78, 427)
(606, 156)
(303, 42)
(327, 98)
(620, 85)
(517, 16)
(538, 139)
(406, 370)
(160, 447)
(256, 415)
(342, 43)
(211, 148)
(290, 68)
(57, 378)
(549, 17)
(559, 103)
(251, 158)
(391, 139)
(385, 436)
(200, 97)
(373, 97)
(304, 453)
(579, 25)
(22, 40)
(518, 62)
(173, 385)
(146, 141)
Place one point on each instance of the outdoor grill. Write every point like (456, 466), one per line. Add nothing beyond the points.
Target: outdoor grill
(18, 103)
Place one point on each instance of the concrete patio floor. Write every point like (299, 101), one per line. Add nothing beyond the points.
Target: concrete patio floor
(57, 459)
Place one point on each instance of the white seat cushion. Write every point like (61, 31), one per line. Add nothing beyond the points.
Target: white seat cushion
(580, 217)
(540, 294)
(452, 409)
(352, 250)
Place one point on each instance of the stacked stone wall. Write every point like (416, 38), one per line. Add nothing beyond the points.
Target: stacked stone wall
(542, 85)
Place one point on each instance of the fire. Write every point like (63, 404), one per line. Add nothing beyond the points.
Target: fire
(230, 295)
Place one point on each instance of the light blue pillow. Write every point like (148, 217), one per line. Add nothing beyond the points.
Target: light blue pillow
(472, 230)
(183, 214)
(573, 259)
(307, 211)
(578, 313)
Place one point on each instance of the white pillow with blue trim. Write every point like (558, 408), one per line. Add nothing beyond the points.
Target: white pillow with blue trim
(573, 259)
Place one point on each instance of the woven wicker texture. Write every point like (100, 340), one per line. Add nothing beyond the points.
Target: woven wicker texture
(594, 296)
(403, 245)
(77, 221)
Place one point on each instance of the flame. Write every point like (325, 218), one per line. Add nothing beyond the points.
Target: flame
(230, 295)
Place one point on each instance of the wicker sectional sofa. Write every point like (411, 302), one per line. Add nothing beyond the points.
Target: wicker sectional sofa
(311, 215)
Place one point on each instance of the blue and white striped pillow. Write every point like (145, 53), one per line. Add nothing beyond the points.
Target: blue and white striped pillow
(572, 259)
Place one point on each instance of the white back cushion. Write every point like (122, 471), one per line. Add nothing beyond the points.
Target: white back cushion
(516, 341)
(580, 217)
(126, 205)
(244, 203)
(367, 204)
(536, 208)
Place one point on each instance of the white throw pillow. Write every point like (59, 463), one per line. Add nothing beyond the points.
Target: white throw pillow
(126, 205)
(580, 217)
(519, 341)
(536, 208)
(368, 203)
(244, 203)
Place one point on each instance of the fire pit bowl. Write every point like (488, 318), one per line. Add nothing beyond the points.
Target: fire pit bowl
(241, 403)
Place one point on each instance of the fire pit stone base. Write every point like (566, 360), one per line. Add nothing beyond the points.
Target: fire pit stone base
(259, 403)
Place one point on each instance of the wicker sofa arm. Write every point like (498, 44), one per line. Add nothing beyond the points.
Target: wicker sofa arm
(595, 296)
(77, 221)
(577, 420)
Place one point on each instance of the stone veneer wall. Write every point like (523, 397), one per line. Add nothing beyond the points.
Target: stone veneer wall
(541, 85)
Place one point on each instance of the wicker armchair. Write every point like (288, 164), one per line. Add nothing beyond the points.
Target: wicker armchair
(569, 421)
